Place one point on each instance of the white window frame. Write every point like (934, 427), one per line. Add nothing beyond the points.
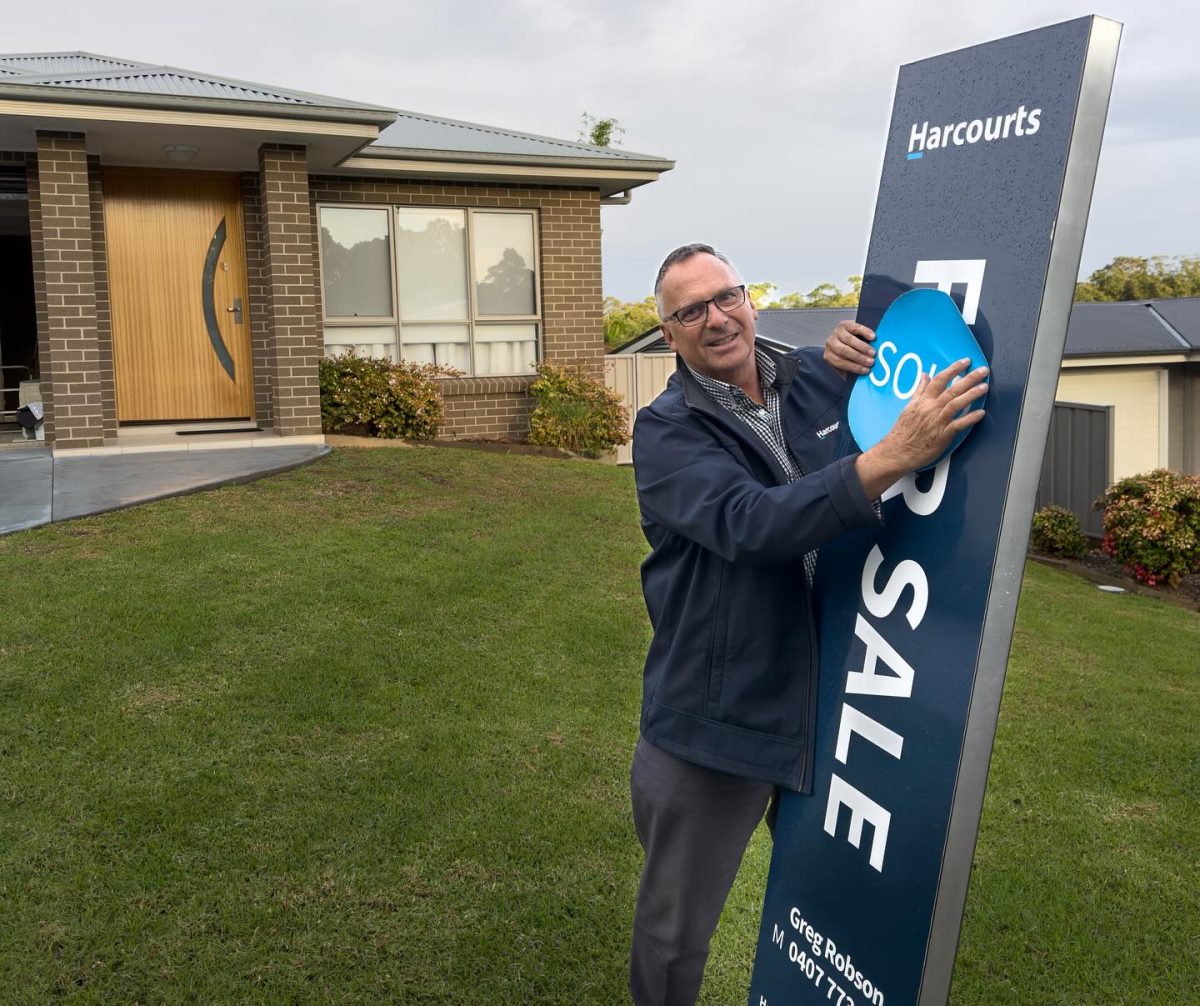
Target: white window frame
(359, 320)
(475, 319)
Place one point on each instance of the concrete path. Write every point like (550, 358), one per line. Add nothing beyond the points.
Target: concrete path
(38, 488)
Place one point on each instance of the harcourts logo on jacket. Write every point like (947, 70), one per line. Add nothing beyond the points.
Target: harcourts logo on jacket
(925, 137)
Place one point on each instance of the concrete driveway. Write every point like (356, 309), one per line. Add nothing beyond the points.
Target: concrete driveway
(38, 488)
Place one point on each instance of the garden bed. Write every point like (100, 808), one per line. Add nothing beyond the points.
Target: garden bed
(1101, 568)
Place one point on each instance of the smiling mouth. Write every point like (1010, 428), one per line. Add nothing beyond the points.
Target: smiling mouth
(725, 341)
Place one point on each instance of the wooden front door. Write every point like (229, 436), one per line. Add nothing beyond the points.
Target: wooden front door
(177, 284)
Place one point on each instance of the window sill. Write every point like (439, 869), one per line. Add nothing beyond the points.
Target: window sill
(486, 385)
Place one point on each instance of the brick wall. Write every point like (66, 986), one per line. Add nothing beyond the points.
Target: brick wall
(487, 408)
(288, 275)
(38, 251)
(70, 354)
(572, 330)
(104, 343)
(258, 306)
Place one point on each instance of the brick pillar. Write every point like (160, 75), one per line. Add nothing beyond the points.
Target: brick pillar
(70, 355)
(572, 294)
(33, 185)
(294, 340)
(104, 343)
(261, 345)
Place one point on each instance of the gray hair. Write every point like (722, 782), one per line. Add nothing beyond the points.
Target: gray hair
(682, 254)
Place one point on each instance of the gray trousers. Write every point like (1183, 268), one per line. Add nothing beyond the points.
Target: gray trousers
(694, 824)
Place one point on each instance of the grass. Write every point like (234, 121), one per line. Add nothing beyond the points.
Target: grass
(361, 733)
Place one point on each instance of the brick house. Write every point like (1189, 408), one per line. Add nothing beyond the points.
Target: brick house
(181, 247)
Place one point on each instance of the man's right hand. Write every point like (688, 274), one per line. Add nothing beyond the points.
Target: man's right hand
(925, 428)
(848, 348)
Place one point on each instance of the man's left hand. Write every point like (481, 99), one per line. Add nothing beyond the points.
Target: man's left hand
(848, 348)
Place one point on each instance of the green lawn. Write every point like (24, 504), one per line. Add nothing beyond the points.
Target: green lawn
(361, 732)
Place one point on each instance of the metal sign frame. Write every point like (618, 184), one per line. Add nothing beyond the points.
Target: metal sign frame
(944, 769)
(1066, 249)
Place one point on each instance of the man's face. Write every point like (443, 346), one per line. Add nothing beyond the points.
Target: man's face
(722, 345)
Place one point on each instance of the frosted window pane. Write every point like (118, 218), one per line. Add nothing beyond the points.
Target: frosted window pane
(376, 342)
(356, 263)
(504, 263)
(505, 349)
(431, 264)
(445, 345)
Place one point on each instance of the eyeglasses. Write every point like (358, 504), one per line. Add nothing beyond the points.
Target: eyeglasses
(694, 314)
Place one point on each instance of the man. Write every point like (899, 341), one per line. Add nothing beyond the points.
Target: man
(739, 483)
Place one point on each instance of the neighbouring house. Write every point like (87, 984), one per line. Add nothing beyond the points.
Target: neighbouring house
(1143, 360)
(1139, 359)
(179, 246)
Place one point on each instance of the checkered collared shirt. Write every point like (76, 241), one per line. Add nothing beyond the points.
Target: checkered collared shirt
(764, 420)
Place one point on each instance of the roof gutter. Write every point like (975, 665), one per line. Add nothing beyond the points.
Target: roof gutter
(624, 199)
(376, 150)
(87, 97)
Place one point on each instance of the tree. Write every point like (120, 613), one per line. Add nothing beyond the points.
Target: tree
(1129, 277)
(508, 286)
(624, 321)
(829, 295)
(760, 293)
(824, 295)
(600, 132)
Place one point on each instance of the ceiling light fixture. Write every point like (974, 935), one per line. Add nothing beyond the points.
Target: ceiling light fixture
(180, 151)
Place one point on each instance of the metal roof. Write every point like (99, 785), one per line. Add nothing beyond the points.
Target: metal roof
(805, 326)
(88, 71)
(413, 131)
(653, 342)
(1122, 329)
(409, 134)
(60, 62)
(1094, 329)
(1183, 315)
(1125, 328)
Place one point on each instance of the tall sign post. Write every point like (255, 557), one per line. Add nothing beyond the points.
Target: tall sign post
(987, 179)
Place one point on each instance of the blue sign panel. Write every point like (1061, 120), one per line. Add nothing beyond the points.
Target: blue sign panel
(921, 333)
(986, 183)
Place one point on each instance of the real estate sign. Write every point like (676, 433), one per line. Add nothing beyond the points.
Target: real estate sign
(986, 184)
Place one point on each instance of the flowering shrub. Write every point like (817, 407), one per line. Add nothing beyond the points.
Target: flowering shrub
(1058, 532)
(381, 398)
(576, 412)
(1152, 525)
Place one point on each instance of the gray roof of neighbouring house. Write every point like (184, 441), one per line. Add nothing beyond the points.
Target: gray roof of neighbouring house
(805, 326)
(783, 328)
(1131, 328)
(1183, 315)
(1126, 328)
(86, 71)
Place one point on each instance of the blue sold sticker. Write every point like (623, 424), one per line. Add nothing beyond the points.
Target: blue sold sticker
(921, 332)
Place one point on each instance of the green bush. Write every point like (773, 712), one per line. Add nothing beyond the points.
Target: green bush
(1057, 531)
(381, 398)
(1152, 525)
(576, 412)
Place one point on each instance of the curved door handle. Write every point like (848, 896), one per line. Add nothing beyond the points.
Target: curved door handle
(206, 299)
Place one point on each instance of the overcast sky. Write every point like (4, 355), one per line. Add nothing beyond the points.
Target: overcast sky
(774, 112)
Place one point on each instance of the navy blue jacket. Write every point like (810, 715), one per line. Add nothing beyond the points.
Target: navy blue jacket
(730, 679)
